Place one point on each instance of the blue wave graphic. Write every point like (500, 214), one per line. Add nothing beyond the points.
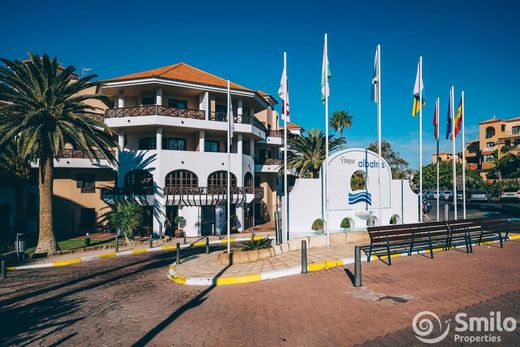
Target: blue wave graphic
(354, 198)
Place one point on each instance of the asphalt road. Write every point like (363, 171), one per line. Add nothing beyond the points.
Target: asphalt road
(473, 210)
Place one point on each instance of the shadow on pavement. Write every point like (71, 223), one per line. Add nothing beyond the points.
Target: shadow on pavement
(196, 301)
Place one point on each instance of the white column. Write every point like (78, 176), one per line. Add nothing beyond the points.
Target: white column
(204, 103)
(240, 217)
(121, 140)
(240, 144)
(158, 138)
(252, 147)
(120, 100)
(240, 110)
(202, 140)
(158, 96)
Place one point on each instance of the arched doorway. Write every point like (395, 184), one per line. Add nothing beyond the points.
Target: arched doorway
(139, 182)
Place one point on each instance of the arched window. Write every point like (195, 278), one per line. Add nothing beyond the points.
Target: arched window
(490, 132)
(248, 180)
(218, 179)
(181, 179)
(139, 180)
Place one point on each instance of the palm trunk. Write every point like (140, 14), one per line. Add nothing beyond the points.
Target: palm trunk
(46, 240)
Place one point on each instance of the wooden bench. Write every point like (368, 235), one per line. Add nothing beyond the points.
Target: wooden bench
(405, 238)
(387, 240)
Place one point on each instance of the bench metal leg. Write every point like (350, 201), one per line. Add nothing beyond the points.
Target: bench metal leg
(369, 253)
(411, 246)
(430, 243)
(480, 238)
(500, 239)
(388, 251)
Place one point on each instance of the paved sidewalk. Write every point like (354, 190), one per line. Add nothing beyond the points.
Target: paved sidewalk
(205, 265)
(141, 247)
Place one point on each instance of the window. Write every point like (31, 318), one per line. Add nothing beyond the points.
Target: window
(148, 100)
(248, 180)
(490, 144)
(181, 179)
(88, 218)
(218, 179)
(174, 144)
(139, 182)
(503, 127)
(178, 103)
(516, 129)
(86, 182)
(147, 143)
(490, 132)
(211, 146)
(507, 142)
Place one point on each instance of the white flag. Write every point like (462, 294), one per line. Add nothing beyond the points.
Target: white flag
(325, 73)
(231, 121)
(375, 80)
(283, 92)
(419, 86)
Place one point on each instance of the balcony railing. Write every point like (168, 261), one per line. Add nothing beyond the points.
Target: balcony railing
(121, 191)
(79, 154)
(152, 110)
(268, 161)
(200, 196)
(274, 133)
(244, 119)
(95, 116)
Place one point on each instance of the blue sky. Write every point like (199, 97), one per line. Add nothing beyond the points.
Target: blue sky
(471, 45)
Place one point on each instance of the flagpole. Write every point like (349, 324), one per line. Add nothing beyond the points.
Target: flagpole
(285, 235)
(228, 171)
(463, 162)
(420, 141)
(379, 132)
(454, 165)
(326, 166)
(437, 107)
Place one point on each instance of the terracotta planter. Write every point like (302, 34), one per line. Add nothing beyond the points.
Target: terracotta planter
(179, 233)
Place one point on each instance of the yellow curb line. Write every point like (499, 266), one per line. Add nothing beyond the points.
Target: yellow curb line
(67, 262)
(106, 256)
(238, 279)
(139, 251)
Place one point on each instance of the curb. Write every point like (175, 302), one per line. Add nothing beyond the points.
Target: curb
(129, 252)
(291, 271)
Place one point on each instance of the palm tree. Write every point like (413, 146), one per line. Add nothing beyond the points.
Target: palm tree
(43, 112)
(126, 217)
(340, 120)
(307, 152)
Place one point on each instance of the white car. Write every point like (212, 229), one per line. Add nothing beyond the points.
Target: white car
(510, 194)
(478, 195)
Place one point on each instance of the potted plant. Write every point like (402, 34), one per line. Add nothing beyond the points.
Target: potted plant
(317, 225)
(233, 220)
(181, 223)
(345, 223)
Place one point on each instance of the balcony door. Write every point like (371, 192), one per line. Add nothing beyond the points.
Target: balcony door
(208, 221)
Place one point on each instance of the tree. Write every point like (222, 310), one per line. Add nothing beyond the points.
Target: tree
(509, 166)
(126, 217)
(473, 179)
(43, 113)
(339, 121)
(397, 164)
(307, 152)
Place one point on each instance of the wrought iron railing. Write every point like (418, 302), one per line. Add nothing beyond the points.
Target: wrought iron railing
(119, 191)
(244, 119)
(268, 161)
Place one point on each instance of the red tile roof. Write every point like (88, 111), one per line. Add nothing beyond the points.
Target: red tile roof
(181, 72)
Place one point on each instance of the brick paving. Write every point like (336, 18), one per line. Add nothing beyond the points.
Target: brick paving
(129, 301)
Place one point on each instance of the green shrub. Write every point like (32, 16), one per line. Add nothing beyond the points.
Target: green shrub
(345, 223)
(180, 221)
(127, 217)
(393, 220)
(256, 244)
(317, 224)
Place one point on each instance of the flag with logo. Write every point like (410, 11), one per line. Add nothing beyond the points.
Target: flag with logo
(417, 89)
(283, 93)
(231, 120)
(325, 74)
(375, 80)
(449, 120)
(458, 118)
(436, 121)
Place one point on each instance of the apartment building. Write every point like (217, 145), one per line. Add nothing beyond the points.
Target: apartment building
(172, 124)
(445, 156)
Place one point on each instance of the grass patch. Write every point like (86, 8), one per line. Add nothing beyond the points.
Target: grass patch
(67, 245)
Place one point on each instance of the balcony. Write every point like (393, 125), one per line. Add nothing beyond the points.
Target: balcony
(79, 154)
(154, 110)
(210, 196)
(243, 119)
(267, 164)
(273, 137)
(141, 195)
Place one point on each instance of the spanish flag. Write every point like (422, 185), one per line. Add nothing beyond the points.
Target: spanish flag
(458, 118)
(417, 89)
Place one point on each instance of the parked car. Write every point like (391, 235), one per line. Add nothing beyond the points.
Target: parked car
(460, 195)
(448, 195)
(510, 194)
(435, 194)
(479, 195)
(426, 206)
